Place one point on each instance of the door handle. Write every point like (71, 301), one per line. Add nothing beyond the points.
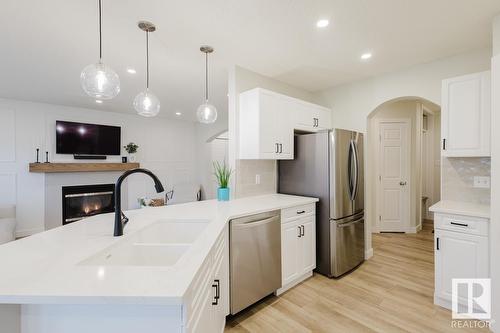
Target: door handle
(444, 144)
(277, 148)
(216, 285)
(281, 148)
(437, 243)
(402, 183)
(303, 230)
(300, 231)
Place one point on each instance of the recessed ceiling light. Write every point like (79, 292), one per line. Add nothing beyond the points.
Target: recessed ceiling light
(98, 101)
(366, 56)
(322, 23)
(178, 113)
(131, 71)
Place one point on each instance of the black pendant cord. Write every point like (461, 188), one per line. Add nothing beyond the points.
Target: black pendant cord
(100, 31)
(147, 60)
(206, 77)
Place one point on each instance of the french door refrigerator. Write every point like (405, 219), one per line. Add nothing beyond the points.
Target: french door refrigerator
(329, 165)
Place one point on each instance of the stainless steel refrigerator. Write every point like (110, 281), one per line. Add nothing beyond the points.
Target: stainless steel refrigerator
(329, 165)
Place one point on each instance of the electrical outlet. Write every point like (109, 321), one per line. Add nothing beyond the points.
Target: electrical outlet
(257, 179)
(481, 182)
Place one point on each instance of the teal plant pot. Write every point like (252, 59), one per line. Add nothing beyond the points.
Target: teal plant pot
(223, 194)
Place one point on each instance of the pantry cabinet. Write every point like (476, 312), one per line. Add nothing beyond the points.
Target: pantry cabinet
(461, 252)
(267, 121)
(298, 245)
(466, 115)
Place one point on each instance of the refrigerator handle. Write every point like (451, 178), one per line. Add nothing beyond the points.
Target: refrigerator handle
(356, 170)
(349, 171)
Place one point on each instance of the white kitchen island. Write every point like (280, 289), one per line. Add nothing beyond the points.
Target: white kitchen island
(163, 275)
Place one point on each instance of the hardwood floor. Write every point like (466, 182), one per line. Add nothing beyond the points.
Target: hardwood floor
(391, 292)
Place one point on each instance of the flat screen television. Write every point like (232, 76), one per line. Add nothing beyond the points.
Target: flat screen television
(87, 139)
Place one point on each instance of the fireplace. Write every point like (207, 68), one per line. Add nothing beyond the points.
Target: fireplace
(82, 201)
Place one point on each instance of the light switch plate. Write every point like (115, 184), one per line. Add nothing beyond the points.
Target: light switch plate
(481, 181)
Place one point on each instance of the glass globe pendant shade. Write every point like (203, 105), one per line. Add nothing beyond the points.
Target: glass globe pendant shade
(100, 81)
(206, 113)
(147, 104)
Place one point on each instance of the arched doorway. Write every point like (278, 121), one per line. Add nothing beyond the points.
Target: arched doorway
(403, 136)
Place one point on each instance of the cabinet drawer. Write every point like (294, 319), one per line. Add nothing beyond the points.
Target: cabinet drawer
(464, 224)
(289, 214)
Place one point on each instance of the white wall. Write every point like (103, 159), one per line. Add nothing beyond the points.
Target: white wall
(351, 103)
(206, 156)
(495, 176)
(243, 182)
(167, 147)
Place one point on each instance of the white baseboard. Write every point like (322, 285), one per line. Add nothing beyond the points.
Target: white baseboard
(27, 232)
(368, 253)
(293, 283)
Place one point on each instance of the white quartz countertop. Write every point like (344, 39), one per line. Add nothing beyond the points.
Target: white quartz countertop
(46, 268)
(461, 208)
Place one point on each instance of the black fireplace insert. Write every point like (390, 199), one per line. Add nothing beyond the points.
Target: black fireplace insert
(83, 201)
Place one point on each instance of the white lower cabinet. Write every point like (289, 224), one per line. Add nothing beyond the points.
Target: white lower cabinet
(461, 252)
(298, 245)
(207, 303)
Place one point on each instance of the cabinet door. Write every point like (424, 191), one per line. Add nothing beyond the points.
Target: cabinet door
(323, 119)
(269, 124)
(307, 249)
(200, 304)
(305, 116)
(220, 291)
(458, 255)
(466, 112)
(289, 252)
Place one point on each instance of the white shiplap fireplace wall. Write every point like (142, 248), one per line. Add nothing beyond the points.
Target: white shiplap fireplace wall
(167, 147)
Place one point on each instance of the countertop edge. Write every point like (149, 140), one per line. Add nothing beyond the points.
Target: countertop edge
(466, 209)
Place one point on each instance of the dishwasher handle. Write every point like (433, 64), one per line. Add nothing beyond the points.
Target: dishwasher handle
(251, 224)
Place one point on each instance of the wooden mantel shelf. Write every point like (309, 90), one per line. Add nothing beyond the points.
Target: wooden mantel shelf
(81, 167)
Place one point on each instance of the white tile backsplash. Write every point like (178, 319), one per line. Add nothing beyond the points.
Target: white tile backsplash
(458, 179)
(246, 170)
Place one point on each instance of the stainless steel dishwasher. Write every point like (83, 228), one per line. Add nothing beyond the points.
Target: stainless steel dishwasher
(255, 258)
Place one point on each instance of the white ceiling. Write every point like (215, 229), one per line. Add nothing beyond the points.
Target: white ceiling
(45, 44)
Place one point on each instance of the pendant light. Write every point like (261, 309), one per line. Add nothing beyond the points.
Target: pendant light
(146, 103)
(98, 80)
(206, 113)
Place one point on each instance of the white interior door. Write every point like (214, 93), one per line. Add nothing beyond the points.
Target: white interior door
(394, 176)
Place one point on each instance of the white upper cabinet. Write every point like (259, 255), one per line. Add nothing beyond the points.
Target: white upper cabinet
(466, 113)
(265, 131)
(267, 121)
(310, 117)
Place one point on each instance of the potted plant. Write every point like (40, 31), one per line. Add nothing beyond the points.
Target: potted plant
(222, 174)
(131, 149)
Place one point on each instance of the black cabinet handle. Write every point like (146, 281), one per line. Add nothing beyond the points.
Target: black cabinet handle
(300, 231)
(459, 224)
(301, 212)
(303, 230)
(444, 144)
(277, 148)
(281, 148)
(437, 243)
(217, 292)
